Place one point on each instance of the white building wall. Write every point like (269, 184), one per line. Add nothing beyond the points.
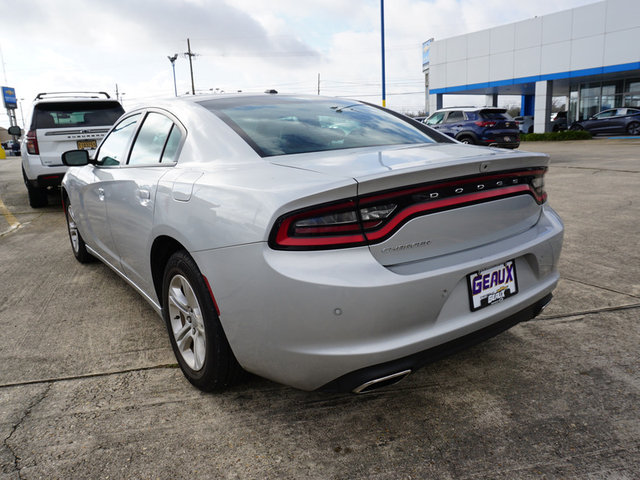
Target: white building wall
(601, 34)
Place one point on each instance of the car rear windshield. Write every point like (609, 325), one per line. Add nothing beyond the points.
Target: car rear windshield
(75, 114)
(495, 115)
(287, 125)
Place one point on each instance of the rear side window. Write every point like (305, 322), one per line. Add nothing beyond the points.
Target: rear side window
(151, 145)
(455, 116)
(75, 114)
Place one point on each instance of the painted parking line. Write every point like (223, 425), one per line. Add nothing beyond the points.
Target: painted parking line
(8, 216)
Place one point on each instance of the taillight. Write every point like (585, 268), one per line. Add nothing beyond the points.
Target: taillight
(485, 123)
(326, 226)
(374, 218)
(32, 143)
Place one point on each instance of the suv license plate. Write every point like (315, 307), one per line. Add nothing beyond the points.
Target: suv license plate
(492, 285)
(87, 144)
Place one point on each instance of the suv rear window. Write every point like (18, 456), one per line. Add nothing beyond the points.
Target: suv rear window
(495, 115)
(75, 114)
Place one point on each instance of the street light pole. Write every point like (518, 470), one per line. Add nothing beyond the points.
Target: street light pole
(384, 93)
(21, 114)
(172, 59)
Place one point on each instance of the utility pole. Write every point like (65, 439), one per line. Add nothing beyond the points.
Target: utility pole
(189, 54)
(318, 84)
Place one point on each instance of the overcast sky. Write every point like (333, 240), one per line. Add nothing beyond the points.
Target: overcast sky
(249, 45)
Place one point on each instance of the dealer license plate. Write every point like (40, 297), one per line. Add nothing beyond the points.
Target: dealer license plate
(492, 285)
(85, 144)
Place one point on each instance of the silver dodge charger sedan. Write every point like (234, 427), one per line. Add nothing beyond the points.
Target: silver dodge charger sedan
(323, 243)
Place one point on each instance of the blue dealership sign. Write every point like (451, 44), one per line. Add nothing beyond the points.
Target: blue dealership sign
(9, 97)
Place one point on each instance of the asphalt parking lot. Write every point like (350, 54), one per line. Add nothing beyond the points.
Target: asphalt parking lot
(89, 386)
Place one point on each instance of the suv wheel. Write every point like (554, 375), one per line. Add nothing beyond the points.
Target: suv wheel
(37, 195)
(467, 139)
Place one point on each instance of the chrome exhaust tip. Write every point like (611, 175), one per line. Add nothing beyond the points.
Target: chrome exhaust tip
(547, 301)
(381, 382)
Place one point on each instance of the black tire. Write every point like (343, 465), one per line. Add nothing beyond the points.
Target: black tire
(633, 128)
(78, 247)
(190, 315)
(467, 139)
(530, 130)
(577, 127)
(37, 195)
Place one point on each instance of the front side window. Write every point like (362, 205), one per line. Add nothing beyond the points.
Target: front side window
(605, 114)
(436, 118)
(151, 142)
(287, 125)
(113, 148)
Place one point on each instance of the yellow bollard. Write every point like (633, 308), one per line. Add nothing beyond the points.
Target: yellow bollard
(2, 154)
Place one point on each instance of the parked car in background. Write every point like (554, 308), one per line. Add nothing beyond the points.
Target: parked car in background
(559, 121)
(323, 243)
(614, 120)
(11, 147)
(481, 126)
(59, 122)
(525, 123)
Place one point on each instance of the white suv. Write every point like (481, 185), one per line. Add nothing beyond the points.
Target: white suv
(59, 122)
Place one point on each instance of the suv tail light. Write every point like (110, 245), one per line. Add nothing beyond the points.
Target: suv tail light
(374, 218)
(485, 123)
(32, 143)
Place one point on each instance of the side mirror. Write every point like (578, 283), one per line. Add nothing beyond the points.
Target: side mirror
(15, 130)
(75, 158)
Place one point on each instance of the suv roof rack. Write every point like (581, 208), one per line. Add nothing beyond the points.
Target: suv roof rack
(41, 95)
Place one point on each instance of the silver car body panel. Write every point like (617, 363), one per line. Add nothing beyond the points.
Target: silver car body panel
(304, 318)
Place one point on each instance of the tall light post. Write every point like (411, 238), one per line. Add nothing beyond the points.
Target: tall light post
(172, 59)
(384, 93)
(21, 114)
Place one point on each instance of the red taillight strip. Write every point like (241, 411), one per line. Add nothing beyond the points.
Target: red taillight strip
(423, 208)
(412, 191)
(350, 240)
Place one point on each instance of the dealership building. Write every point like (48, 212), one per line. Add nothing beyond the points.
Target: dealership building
(589, 54)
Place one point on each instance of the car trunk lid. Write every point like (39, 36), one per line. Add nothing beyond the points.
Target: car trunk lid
(435, 199)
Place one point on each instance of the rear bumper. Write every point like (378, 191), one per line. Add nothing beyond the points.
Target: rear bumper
(354, 381)
(41, 176)
(312, 319)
